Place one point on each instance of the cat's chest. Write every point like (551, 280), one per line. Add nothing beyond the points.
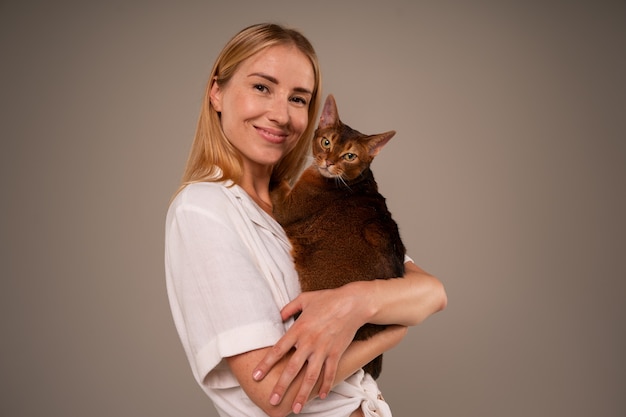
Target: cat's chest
(339, 211)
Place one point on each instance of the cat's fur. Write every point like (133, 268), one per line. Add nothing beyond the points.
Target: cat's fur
(337, 221)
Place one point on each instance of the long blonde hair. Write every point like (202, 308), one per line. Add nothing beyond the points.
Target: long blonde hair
(212, 157)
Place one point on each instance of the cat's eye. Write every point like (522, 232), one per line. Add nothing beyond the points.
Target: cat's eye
(325, 143)
(349, 156)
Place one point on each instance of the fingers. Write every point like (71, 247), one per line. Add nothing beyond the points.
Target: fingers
(290, 372)
(311, 376)
(275, 354)
(316, 366)
(313, 348)
(330, 371)
(284, 345)
(292, 308)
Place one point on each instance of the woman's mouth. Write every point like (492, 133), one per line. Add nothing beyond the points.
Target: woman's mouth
(276, 136)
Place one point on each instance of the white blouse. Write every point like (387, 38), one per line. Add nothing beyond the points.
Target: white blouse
(229, 272)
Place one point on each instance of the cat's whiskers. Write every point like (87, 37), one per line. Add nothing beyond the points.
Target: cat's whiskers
(339, 179)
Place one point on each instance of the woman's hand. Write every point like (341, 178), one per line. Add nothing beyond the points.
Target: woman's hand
(329, 320)
(325, 328)
(355, 357)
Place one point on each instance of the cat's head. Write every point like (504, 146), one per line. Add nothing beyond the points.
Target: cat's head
(340, 151)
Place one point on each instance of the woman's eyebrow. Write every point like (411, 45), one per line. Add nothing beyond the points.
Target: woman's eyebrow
(275, 81)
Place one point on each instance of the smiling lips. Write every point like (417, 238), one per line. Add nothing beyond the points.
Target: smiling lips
(276, 136)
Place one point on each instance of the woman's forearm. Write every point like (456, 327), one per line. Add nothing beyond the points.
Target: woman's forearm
(328, 322)
(360, 353)
(357, 355)
(406, 301)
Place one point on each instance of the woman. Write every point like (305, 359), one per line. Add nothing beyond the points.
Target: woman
(231, 281)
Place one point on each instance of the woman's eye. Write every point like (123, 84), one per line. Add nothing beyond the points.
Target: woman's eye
(349, 156)
(261, 87)
(299, 100)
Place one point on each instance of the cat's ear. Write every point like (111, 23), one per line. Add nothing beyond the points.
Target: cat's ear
(376, 142)
(329, 113)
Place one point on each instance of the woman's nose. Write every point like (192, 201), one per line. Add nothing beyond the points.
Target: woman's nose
(279, 111)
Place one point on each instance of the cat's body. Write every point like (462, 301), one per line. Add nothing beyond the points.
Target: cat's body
(338, 223)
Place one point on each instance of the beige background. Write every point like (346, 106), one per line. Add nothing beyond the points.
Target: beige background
(507, 177)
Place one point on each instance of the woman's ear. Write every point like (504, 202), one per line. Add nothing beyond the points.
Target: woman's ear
(216, 95)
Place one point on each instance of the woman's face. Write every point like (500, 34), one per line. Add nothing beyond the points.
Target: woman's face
(264, 106)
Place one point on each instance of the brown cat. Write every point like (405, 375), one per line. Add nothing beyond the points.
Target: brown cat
(335, 218)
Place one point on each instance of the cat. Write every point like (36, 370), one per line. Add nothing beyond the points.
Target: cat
(336, 220)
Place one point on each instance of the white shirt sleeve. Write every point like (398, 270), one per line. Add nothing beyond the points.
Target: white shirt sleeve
(221, 303)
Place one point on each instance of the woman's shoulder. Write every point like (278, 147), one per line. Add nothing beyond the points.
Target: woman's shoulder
(199, 189)
(204, 195)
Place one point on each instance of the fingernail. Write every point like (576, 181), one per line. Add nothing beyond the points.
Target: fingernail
(275, 399)
(257, 375)
(297, 407)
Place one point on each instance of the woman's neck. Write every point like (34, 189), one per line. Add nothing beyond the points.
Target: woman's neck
(258, 188)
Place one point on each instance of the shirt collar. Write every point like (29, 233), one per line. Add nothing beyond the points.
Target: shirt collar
(256, 214)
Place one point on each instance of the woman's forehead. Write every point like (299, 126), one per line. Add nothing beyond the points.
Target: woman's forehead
(285, 63)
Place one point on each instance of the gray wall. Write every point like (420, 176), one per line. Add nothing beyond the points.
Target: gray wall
(507, 177)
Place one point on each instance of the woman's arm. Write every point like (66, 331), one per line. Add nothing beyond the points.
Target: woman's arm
(408, 301)
(330, 318)
(355, 357)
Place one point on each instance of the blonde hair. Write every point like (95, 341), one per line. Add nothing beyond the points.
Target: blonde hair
(212, 157)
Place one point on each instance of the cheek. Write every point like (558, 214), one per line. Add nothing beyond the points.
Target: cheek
(235, 112)
(227, 125)
(299, 123)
